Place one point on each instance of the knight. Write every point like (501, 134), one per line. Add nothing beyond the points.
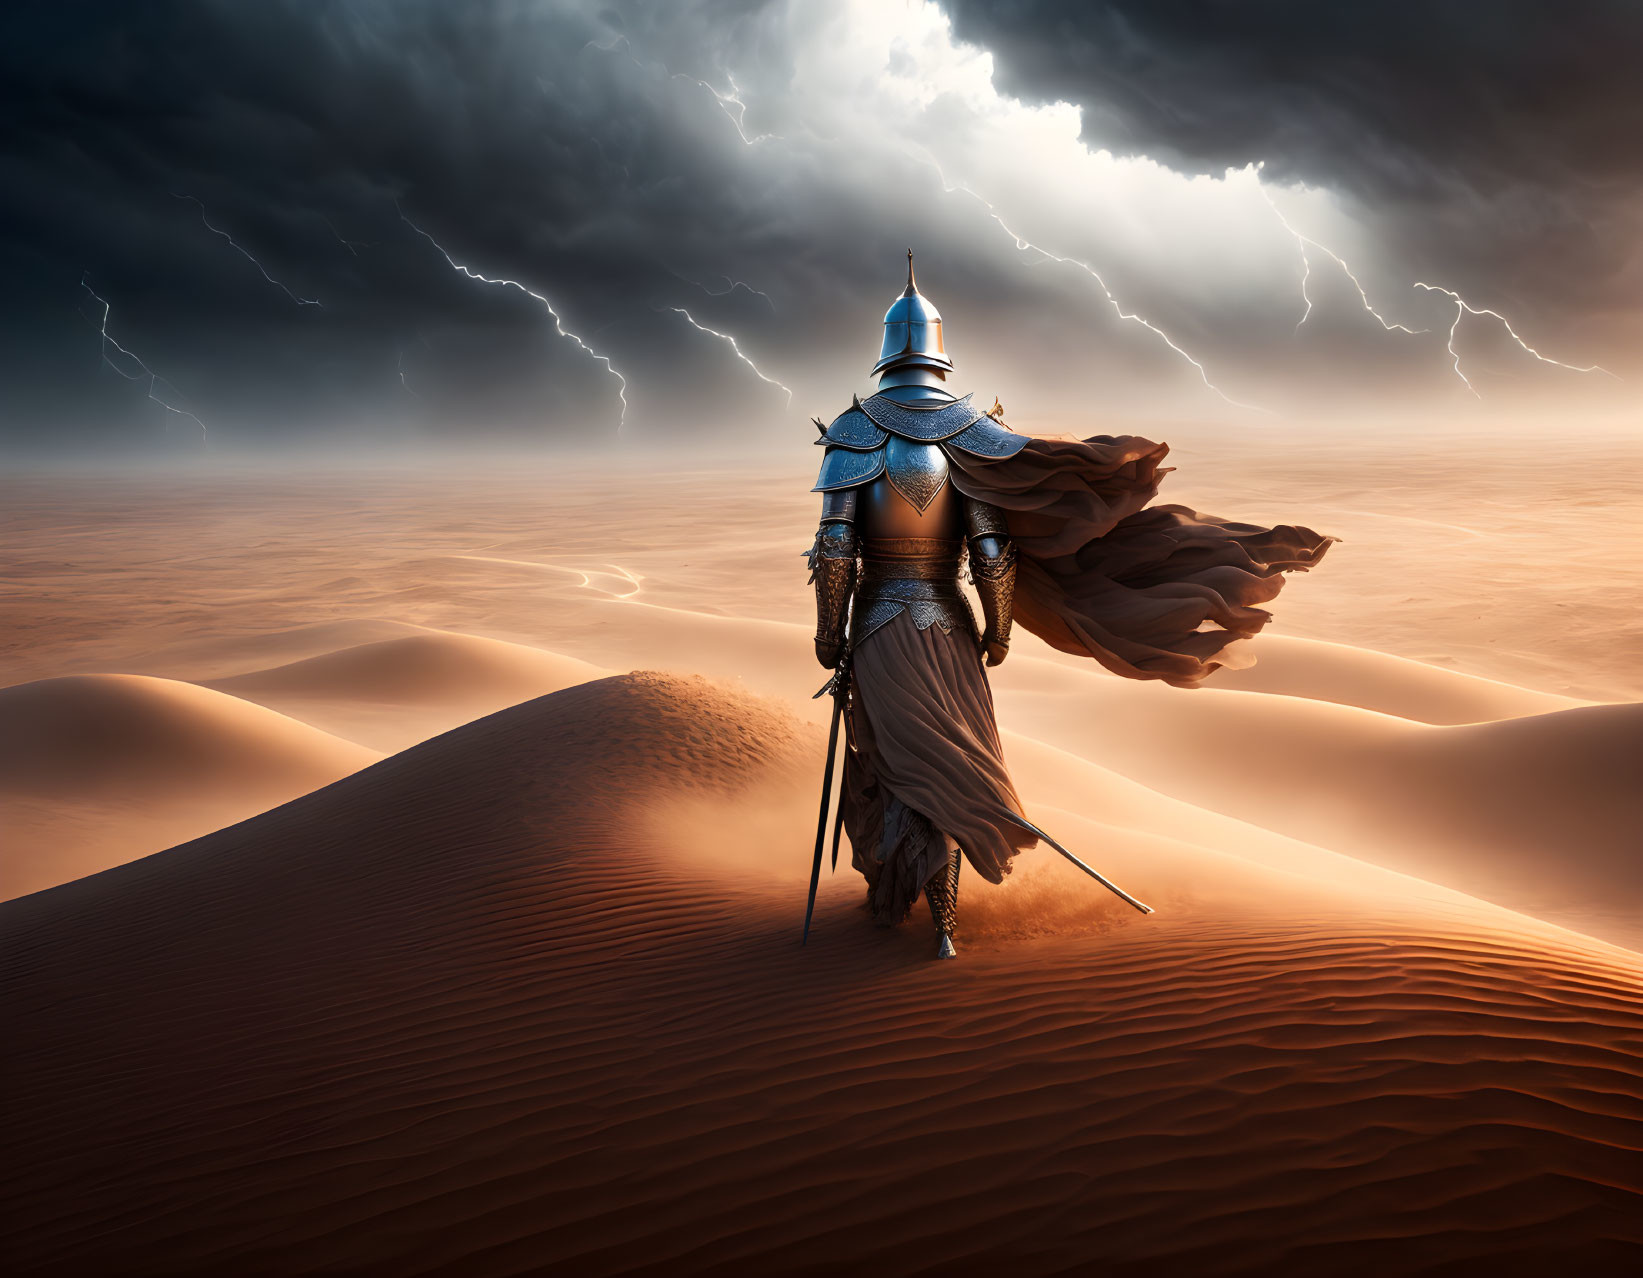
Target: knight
(920, 488)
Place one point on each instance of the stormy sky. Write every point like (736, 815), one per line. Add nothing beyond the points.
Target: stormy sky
(1128, 209)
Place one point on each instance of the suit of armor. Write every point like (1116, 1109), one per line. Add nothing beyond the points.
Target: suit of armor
(916, 483)
(889, 505)
(895, 531)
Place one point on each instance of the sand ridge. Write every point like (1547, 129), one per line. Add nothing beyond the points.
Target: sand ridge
(1490, 808)
(392, 693)
(463, 1011)
(527, 994)
(1538, 811)
(98, 769)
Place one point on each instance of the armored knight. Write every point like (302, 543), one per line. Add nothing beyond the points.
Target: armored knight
(1056, 533)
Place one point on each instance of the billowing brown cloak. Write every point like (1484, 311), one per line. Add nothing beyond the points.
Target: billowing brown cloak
(1150, 592)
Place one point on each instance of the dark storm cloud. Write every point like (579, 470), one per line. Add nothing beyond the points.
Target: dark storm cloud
(526, 138)
(1498, 139)
(574, 147)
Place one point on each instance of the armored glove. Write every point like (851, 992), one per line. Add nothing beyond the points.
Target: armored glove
(833, 572)
(992, 569)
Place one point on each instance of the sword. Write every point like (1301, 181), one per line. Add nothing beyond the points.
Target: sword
(837, 685)
(1102, 879)
(838, 827)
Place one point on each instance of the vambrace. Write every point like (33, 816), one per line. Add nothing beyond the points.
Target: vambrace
(992, 569)
(833, 573)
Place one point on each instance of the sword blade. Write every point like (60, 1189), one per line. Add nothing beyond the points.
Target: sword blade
(821, 821)
(838, 829)
(1100, 878)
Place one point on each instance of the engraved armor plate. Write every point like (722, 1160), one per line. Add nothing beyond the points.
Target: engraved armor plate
(928, 603)
(839, 505)
(845, 468)
(927, 424)
(986, 438)
(917, 471)
(853, 429)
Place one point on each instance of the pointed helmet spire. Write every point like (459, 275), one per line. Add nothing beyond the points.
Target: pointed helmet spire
(912, 331)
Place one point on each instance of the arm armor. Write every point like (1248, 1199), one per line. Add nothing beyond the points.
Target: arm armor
(833, 572)
(992, 569)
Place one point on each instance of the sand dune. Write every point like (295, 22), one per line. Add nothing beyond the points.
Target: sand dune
(1381, 682)
(98, 769)
(774, 657)
(1540, 818)
(1496, 821)
(427, 667)
(395, 692)
(1539, 812)
(528, 996)
(219, 656)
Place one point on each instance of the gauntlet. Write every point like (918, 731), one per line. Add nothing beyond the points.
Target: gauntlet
(992, 569)
(833, 573)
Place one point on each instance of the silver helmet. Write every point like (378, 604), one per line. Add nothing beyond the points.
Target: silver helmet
(912, 332)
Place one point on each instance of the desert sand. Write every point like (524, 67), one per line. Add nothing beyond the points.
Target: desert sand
(515, 982)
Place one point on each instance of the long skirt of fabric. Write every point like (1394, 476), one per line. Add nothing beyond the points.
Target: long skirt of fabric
(926, 765)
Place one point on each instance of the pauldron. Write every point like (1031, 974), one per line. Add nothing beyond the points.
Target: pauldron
(878, 435)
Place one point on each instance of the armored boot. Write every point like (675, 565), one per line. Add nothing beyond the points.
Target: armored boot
(942, 893)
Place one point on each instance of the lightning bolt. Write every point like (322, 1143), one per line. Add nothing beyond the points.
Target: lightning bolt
(154, 379)
(738, 117)
(735, 109)
(241, 250)
(558, 323)
(730, 100)
(725, 292)
(353, 246)
(1464, 308)
(1023, 244)
(740, 354)
(1306, 265)
(730, 103)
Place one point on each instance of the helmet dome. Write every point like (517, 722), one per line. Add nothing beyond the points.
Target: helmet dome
(912, 331)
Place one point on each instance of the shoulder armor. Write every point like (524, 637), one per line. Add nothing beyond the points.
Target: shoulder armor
(853, 429)
(925, 425)
(984, 437)
(849, 468)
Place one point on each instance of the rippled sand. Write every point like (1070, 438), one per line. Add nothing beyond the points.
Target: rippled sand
(527, 994)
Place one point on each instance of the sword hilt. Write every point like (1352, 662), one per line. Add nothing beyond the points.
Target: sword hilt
(837, 682)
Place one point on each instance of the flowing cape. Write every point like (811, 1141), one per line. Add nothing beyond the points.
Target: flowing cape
(1150, 592)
